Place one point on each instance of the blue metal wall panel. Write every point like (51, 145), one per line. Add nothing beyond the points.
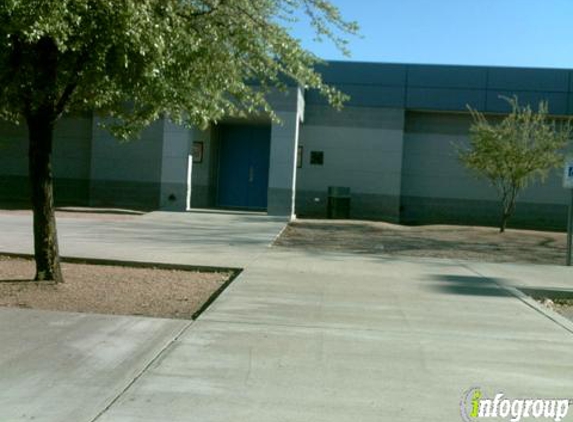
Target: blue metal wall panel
(363, 73)
(557, 101)
(570, 103)
(375, 96)
(570, 75)
(365, 96)
(441, 87)
(528, 79)
(447, 77)
(445, 99)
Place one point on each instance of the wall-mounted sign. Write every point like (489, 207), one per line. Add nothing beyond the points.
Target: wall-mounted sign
(197, 152)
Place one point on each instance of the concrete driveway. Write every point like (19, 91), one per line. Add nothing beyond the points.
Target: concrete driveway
(300, 336)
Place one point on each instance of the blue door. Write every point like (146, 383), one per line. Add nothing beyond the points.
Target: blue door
(244, 167)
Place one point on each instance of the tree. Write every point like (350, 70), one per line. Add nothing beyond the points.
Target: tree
(515, 151)
(135, 61)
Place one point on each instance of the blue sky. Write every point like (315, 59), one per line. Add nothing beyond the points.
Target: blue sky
(524, 33)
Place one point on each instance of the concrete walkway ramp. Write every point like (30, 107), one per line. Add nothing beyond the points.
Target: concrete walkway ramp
(328, 338)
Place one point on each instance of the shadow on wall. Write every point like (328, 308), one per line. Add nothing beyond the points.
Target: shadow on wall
(15, 192)
(468, 285)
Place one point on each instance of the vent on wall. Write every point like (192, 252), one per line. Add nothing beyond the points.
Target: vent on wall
(317, 158)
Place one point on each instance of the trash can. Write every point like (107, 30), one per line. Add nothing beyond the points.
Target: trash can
(338, 205)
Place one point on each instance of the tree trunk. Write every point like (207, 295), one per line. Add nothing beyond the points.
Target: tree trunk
(503, 223)
(41, 128)
(508, 206)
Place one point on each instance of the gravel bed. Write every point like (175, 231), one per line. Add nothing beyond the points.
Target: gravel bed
(562, 306)
(437, 241)
(107, 289)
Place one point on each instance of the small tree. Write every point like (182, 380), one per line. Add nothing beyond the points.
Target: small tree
(515, 151)
(138, 60)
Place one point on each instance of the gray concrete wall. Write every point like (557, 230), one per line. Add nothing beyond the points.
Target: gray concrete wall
(175, 160)
(436, 187)
(71, 162)
(127, 174)
(290, 109)
(362, 150)
(282, 169)
(292, 99)
(204, 174)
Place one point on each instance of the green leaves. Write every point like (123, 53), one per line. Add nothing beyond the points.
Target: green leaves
(193, 60)
(521, 147)
(516, 150)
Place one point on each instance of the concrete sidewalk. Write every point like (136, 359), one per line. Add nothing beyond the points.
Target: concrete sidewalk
(299, 336)
(328, 337)
(205, 238)
(57, 366)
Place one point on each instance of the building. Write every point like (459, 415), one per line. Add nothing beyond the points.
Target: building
(392, 145)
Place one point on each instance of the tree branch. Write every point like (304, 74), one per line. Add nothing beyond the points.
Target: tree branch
(65, 97)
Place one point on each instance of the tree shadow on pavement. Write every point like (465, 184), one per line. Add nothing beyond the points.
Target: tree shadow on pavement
(468, 285)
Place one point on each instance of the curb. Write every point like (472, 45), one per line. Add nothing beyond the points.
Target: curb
(553, 316)
(135, 264)
(545, 311)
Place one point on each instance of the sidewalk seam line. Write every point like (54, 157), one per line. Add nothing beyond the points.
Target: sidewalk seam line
(523, 298)
(143, 371)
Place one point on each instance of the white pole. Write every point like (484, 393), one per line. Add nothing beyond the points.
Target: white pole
(189, 181)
